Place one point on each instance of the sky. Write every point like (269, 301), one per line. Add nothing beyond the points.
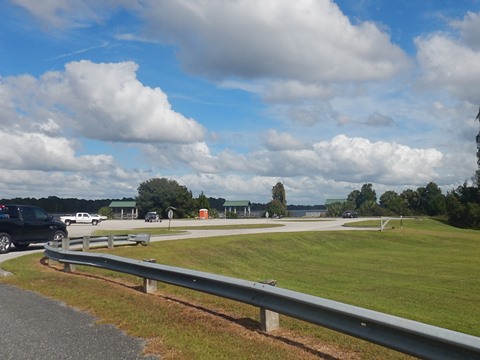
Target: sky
(229, 97)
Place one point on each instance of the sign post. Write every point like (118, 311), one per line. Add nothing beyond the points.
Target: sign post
(170, 216)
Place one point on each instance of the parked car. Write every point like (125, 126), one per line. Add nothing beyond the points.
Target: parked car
(22, 225)
(81, 218)
(350, 214)
(103, 217)
(152, 216)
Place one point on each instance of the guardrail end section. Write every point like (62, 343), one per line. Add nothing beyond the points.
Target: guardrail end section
(139, 238)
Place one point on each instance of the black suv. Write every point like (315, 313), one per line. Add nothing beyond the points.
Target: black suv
(22, 225)
(152, 216)
(350, 214)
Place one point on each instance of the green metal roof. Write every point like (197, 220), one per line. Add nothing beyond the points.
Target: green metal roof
(238, 203)
(331, 201)
(123, 204)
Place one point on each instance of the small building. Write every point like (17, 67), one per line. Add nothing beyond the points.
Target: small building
(243, 206)
(124, 210)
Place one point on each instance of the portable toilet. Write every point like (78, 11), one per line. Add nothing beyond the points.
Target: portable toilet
(203, 214)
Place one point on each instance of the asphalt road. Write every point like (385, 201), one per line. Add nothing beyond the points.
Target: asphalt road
(34, 327)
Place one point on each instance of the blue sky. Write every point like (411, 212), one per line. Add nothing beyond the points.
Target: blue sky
(230, 97)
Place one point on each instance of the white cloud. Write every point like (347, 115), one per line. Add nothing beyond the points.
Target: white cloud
(281, 141)
(450, 63)
(360, 160)
(469, 28)
(307, 40)
(111, 104)
(35, 151)
(342, 159)
(352, 160)
(99, 101)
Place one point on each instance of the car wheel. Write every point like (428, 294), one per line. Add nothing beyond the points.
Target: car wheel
(5, 243)
(58, 236)
(21, 246)
(94, 222)
(67, 222)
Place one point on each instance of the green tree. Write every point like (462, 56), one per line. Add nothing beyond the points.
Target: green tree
(463, 203)
(202, 202)
(278, 205)
(352, 197)
(393, 202)
(412, 201)
(335, 209)
(106, 211)
(158, 194)
(278, 193)
(463, 207)
(366, 194)
(275, 207)
(370, 208)
(432, 201)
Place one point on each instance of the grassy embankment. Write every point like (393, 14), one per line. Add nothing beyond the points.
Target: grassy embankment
(425, 271)
(182, 229)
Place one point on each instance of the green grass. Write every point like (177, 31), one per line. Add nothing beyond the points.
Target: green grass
(425, 271)
(182, 229)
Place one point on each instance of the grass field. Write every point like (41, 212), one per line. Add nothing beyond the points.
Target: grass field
(182, 229)
(425, 271)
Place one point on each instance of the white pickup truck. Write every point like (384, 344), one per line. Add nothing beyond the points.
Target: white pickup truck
(81, 218)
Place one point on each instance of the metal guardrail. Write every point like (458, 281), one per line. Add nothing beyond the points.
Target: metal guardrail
(407, 336)
(138, 238)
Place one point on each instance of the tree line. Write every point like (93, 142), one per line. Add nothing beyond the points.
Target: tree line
(56, 205)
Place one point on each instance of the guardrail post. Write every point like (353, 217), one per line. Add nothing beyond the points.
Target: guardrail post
(269, 320)
(65, 246)
(110, 241)
(86, 243)
(149, 286)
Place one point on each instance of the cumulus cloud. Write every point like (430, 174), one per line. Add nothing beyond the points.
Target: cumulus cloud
(99, 101)
(306, 40)
(352, 160)
(36, 183)
(105, 97)
(341, 159)
(35, 151)
(359, 160)
(469, 28)
(450, 63)
(274, 141)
